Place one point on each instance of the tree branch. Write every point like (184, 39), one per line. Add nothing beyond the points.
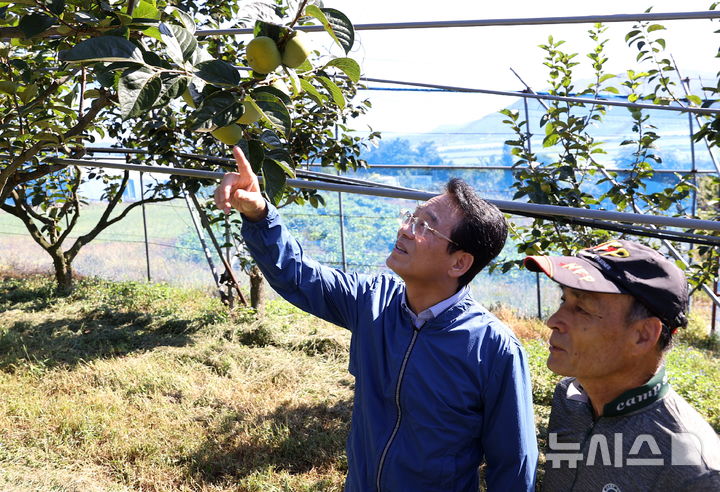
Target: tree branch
(98, 104)
(81, 241)
(19, 197)
(43, 95)
(16, 32)
(74, 204)
(300, 10)
(83, 122)
(21, 213)
(103, 222)
(20, 178)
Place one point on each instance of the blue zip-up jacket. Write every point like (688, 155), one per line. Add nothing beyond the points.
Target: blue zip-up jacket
(430, 404)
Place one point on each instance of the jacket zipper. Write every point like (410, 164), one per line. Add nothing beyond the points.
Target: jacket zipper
(399, 408)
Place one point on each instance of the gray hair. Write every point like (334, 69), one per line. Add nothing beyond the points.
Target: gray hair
(639, 311)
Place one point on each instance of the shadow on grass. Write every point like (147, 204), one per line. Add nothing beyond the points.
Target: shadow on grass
(32, 295)
(97, 334)
(295, 439)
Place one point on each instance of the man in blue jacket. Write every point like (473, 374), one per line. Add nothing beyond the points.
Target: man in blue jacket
(441, 385)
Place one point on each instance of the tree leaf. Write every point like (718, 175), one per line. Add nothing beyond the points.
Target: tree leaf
(33, 24)
(145, 10)
(103, 49)
(229, 115)
(181, 43)
(283, 159)
(173, 85)
(336, 24)
(274, 91)
(335, 92)
(152, 58)
(218, 72)
(694, 99)
(152, 32)
(631, 34)
(274, 111)
(256, 155)
(217, 102)
(294, 81)
(270, 138)
(311, 91)
(349, 66)
(56, 6)
(269, 29)
(200, 55)
(274, 179)
(138, 90)
(305, 67)
(187, 21)
(656, 27)
(86, 18)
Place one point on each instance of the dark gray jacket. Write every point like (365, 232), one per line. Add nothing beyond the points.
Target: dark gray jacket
(648, 439)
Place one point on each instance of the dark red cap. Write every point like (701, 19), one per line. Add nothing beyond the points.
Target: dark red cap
(623, 267)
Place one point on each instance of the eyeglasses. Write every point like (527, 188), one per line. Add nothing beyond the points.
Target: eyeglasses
(419, 226)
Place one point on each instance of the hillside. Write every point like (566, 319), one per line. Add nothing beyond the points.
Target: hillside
(481, 142)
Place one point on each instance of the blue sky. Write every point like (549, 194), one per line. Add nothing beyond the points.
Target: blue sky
(481, 57)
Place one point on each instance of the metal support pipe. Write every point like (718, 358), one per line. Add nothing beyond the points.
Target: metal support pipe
(693, 210)
(144, 218)
(530, 21)
(111, 150)
(504, 205)
(206, 158)
(713, 321)
(686, 87)
(583, 100)
(228, 258)
(229, 275)
(538, 294)
(342, 232)
(512, 168)
(203, 243)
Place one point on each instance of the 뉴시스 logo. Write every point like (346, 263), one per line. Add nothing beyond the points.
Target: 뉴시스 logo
(684, 450)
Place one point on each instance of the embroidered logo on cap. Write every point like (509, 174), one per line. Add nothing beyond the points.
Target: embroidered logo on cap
(611, 248)
(578, 270)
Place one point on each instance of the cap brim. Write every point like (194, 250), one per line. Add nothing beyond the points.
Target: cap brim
(573, 272)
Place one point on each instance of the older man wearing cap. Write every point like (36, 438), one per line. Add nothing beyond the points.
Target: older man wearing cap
(616, 425)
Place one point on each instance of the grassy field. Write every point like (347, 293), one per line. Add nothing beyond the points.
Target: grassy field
(130, 386)
(164, 221)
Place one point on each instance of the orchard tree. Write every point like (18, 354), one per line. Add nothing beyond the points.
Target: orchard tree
(138, 72)
(577, 176)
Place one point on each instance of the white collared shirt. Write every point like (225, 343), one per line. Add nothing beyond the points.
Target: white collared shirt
(432, 312)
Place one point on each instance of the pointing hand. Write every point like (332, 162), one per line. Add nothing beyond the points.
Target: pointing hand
(241, 190)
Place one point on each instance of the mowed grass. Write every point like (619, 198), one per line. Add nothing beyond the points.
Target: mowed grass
(131, 386)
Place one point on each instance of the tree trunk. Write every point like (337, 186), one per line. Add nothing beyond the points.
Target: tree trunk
(63, 272)
(257, 288)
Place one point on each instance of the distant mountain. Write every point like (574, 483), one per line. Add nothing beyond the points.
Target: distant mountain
(481, 142)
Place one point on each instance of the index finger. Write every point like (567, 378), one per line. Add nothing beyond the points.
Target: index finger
(243, 165)
(222, 196)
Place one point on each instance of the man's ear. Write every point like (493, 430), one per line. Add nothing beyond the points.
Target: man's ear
(647, 333)
(462, 261)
